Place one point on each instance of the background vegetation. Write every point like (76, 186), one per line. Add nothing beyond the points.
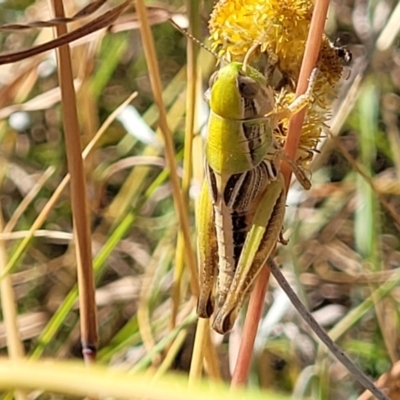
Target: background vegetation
(343, 252)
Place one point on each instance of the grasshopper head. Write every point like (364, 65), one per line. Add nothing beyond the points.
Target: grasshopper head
(232, 88)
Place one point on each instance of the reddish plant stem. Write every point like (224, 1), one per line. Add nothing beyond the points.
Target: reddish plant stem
(253, 316)
(256, 303)
(310, 58)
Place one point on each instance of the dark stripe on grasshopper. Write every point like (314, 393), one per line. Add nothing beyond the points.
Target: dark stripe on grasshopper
(213, 184)
(255, 129)
(250, 107)
(242, 189)
(255, 133)
(240, 227)
(241, 196)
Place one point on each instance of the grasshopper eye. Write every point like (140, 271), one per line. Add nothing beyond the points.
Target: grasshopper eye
(247, 86)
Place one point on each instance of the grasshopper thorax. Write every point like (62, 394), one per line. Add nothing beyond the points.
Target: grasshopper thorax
(239, 129)
(236, 94)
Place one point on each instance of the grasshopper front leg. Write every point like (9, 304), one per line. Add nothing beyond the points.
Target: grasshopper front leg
(279, 154)
(260, 241)
(298, 103)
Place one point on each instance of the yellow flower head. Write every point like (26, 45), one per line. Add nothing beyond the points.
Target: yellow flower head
(279, 27)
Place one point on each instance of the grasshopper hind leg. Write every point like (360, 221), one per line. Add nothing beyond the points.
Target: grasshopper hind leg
(260, 241)
(207, 253)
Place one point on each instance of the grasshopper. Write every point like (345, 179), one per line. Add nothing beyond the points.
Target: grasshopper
(242, 202)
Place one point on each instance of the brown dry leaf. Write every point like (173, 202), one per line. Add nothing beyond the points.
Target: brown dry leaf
(85, 12)
(101, 22)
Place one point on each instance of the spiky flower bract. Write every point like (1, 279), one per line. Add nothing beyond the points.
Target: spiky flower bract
(279, 27)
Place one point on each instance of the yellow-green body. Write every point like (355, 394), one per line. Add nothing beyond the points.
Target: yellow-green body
(242, 202)
(234, 142)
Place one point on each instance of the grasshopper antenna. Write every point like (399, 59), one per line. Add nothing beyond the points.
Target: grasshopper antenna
(202, 45)
(248, 54)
